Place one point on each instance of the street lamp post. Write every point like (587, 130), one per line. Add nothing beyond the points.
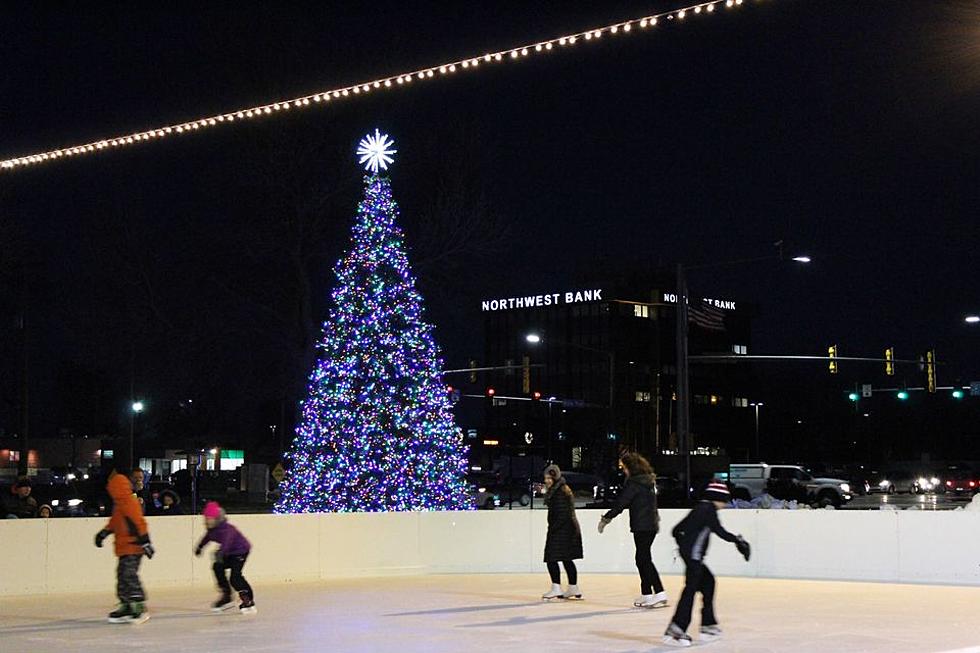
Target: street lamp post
(972, 319)
(136, 408)
(683, 379)
(758, 451)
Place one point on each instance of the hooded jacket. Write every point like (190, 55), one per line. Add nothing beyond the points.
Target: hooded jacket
(640, 496)
(127, 522)
(693, 532)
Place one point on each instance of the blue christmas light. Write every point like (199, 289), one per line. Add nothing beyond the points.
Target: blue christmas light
(377, 433)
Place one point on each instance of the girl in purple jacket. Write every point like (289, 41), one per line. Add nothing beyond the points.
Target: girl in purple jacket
(232, 552)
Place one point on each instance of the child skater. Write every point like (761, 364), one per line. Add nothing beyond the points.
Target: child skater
(564, 540)
(639, 495)
(132, 542)
(692, 535)
(233, 550)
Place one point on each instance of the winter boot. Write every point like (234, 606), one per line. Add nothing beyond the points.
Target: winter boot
(676, 637)
(573, 593)
(554, 593)
(710, 633)
(248, 605)
(223, 603)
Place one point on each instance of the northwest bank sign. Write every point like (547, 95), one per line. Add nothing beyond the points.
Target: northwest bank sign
(578, 297)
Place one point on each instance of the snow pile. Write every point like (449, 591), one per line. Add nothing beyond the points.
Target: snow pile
(973, 506)
(767, 502)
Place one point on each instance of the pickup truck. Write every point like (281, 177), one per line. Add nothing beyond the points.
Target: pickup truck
(752, 480)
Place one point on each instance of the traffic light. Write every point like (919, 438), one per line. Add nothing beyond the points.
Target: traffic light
(931, 371)
(536, 396)
(491, 392)
(903, 395)
(832, 353)
(957, 394)
(890, 361)
(473, 373)
(853, 396)
(526, 375)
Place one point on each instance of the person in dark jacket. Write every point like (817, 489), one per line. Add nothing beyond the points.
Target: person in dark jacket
(22, 505)
(564, 540)
(169, 504)
(692, 534)
(233, 550)
(639, 495)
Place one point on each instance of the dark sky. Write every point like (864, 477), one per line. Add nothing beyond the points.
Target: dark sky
(848, 129)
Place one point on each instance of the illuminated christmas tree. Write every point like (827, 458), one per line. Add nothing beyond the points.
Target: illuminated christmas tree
(377, 432)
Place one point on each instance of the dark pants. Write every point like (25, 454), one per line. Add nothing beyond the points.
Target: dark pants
(570, 571)
(697, 578)
(235, 563)
(128, 587)
(644, 563)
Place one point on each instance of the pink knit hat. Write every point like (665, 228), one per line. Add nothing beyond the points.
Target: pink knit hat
(212, 510)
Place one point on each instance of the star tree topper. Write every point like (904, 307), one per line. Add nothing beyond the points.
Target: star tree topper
(375, 151)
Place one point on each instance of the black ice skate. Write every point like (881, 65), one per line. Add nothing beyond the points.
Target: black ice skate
(676, 637)
(224, 602)
(248, 605)
(128, 613)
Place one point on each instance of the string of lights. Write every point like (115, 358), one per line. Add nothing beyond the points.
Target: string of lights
(409, 78)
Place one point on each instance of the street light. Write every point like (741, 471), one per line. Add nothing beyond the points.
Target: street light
(136, 408)
(972, 319)
(683, 378)
(757, 405)
(535, 338)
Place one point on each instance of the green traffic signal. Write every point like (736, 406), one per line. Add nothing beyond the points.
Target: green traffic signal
(957, 394)
(903, 395)
(853, 396)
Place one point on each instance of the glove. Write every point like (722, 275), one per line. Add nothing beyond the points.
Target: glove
(197, 552)
(149, 550)
(100, 537)
(603, 522)
(743, 548)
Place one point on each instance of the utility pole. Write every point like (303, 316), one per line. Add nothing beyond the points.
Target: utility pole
(683, 387)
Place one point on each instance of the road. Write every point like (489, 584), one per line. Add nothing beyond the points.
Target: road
(906, 501)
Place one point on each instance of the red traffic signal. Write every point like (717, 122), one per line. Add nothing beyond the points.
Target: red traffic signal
(491, 392)
(536, 396)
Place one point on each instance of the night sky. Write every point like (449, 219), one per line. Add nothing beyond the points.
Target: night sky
(847, 129)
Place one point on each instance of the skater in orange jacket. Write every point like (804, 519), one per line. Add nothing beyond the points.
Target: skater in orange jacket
(132, 542)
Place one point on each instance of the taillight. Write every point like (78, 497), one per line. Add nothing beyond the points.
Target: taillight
(972, 484)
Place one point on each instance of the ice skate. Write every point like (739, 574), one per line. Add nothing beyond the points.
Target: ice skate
(710, 633)
(674, 636)
(651, 601)
(128, 613)
(573, 593)
(224, 602)
(248, 605)
(554, 593)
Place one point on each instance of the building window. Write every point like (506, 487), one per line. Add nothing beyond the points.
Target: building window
(741, 350)
(740, 402)
(15, 456)
(641, 311)
(643, 397)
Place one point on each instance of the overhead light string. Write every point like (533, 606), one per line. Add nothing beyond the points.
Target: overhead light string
(362, 88)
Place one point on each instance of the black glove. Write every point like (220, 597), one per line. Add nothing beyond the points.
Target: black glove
(100, 537)
(197, 552)
(144, 541)
(743, 548)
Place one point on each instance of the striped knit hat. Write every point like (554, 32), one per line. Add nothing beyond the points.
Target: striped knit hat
(717, 491)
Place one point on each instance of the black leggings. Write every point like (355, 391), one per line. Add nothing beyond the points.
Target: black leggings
(570, 571)
(644, 564)
(235, 563)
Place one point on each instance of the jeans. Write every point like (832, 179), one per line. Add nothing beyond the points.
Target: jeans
(570, 571)
(697, 578)
(644, 563)
(235, 563)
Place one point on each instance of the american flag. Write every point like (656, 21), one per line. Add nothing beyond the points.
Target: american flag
(706, 316)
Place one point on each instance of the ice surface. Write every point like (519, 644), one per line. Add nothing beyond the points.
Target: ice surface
(502, 613)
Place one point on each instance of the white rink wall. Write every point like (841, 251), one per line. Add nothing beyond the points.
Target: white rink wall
(58, 555)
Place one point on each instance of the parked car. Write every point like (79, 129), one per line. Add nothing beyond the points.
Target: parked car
(926, 482)
(65, 500)
(897, 480)
(749, 481)
(962, 481)
(482, 488)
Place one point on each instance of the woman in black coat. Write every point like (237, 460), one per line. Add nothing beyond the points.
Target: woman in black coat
(639, 495)
(564, 541)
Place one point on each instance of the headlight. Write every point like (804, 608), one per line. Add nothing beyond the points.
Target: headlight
(934, 481)
(923, 481)
(845, 487)
(884, 483)
(54, 503)
(481, 489)
(71, 477)
(74, 502)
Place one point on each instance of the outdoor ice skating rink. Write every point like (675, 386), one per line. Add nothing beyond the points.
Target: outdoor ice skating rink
(500, 612)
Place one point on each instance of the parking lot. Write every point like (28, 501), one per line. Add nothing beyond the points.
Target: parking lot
(905, 501)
